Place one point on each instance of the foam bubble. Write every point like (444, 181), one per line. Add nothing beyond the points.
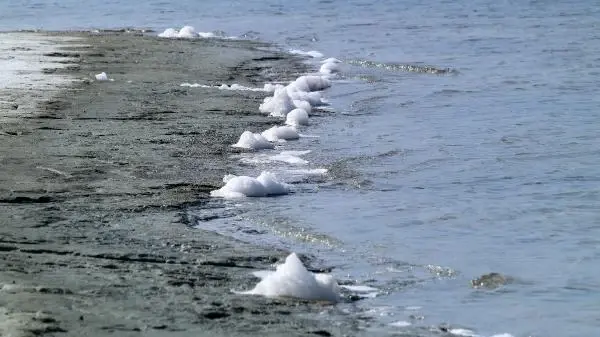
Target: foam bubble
(359, 288)
(304, 105)
(206, 34)
(292, 279)
(266, 184)
(313, 98)
(310, 83)
(279, 133)
(223, 86)
(330, 66)
(278, 105)
(401, 324)
(270, 87)
(169, 33)
(311, 53)
(291, 157)
(297, 117)
(463, 332)
(253, 141)
(101, 77)
(186, 32)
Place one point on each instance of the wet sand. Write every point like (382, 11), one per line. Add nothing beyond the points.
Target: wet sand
(95, 182)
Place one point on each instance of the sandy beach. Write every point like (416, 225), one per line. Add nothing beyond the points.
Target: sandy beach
(96, 177)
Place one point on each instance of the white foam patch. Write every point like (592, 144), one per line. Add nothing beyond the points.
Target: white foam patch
(463, 332)
(253, 141)
(304, 105)
(206, 34)
(470, 333)
(186, 32)
(292, 279)
(311, 53)
(310, 83)
(278, 105)
(234, 87)
(313, 98)
(280, 133)
(291, 157)
(401, 324)
(101, 77)
(297, 117)
(330, 66)
(266, 184)
(362, 291)
(359, 288)
(271, 87)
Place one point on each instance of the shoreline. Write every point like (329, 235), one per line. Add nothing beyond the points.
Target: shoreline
(96, 180)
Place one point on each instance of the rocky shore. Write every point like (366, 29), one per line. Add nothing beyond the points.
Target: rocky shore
(95, 180)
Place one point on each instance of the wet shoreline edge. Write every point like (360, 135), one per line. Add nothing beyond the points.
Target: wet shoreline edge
(95, 186)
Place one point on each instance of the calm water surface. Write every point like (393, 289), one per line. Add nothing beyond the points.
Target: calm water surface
(434, 179)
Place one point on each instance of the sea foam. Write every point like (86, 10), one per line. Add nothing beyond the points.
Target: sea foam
(101, 77)
(233, 87)
(186, 32)
(330, 66)
(297, 117)
(292, 279)
(280, 133)
(278, 105)
(266, 184)
(253, 141)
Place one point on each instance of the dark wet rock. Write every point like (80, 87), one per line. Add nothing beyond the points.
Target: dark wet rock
(491, 281)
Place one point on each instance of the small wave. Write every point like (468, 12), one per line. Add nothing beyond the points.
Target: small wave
(415, 68)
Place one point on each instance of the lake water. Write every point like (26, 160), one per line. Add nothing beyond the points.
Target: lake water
(434, 179)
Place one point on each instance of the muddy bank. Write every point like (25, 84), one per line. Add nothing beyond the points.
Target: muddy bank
(94, 187)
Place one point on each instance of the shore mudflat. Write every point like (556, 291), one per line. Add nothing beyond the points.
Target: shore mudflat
(94, 186)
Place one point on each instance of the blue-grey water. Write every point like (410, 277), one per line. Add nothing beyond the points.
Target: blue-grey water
(434, 179)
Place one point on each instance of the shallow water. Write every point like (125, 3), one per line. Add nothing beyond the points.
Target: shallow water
(434, 178)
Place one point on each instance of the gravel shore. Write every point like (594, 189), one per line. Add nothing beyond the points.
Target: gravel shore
(94, 186)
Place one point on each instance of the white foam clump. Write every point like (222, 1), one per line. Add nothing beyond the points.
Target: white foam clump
(297, 117)
(313, 98)
(470, 333)
(330, 66)
(280, 133)
(363, 291)
(292, 279)
(401, 324)
(253, 141)
(266, 184)
(310, 83)
(270, 87)
(291, 157)
(298, 94)
(311, 53)
(101, 77)
(234, 87)
(186, 32)
(206, 34)
(278, 105)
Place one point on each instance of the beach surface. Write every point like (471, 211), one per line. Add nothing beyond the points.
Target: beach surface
(96, 178)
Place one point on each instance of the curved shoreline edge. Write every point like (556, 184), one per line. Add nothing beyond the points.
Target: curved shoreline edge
(96, 179)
